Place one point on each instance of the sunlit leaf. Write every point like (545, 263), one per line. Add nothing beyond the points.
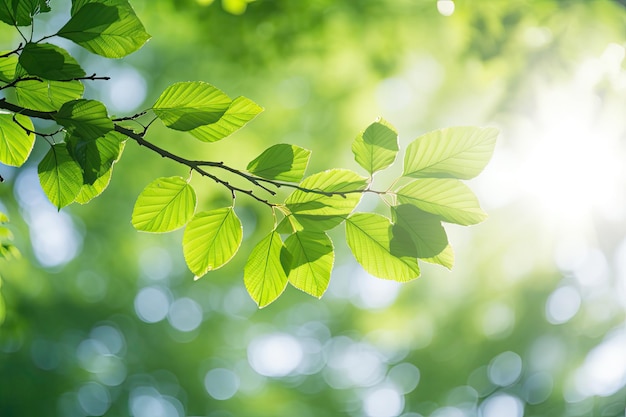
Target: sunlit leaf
(95, 155)
(311, 261)
(239, 113)
(49, 62)
(317, 211)
(21, 12)
(108, 28)
(90, 191)
(281, 162)
(264, 275)
(60, 176)
(424, 229)
(47, 95)
(189, 105)
(449, 199)
(445, 258)
(15, 143)
(369, 237)
(211, 239)
(164, 205)
(86, 119)
(454, 152)
(8, 66)
(376, 147)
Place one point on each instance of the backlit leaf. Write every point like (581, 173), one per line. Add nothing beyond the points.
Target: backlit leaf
(264, 276)
(317, 211)
(49, 62)
(15, 143)
(211, 239)
(8, 66)
(312, 258)
(86, 119)
(189, 105)
(90, 191)
(239, 113)
(60, 176)
(425, 230)
(164, 205)
(376, 147)
(445, 258)
(109, 28)
(281, 162)
(47, 95)
(95, 156)
(454, 152)
(449, 199)
(21, 12)
(369, 237)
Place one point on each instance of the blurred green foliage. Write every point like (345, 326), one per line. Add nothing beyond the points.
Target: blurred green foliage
(102, 320)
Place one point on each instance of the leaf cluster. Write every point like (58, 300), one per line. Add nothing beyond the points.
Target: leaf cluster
(49, 83)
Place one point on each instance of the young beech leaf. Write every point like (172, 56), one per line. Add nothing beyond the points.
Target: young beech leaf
(281, 162)
(376, 147)
(15, 143)
(86, 119)
(424, 229)
(264, 275)
(239, 113)
(211, 239)
(60, 176)
(449, 199)
(95, 155)
(164, 205)
(369, 237)
(445, 258)
(49, 62)
(454, 152)
(90, 191)
(319, 212)
(312, 258)
(109, 28)
(8, 66)
(21, 12)
(189, 105)
(47, 95)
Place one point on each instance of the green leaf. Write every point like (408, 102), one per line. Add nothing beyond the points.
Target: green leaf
(281, 162)
(239, 113)
(321, 212)
(445, 258)
(90, 191)
(60, 176)
(264, 276)
(109, 28)
(21, 12)
(95, 156)
(47, 95)
(449, 199)
(15, 143)
(211, 239)
(164, 205)
(86, 119)
(3, 218)
(8, 66)
(369, 237)
(424, 229)
(312, 257)
(49, 62)
(376, 147)
(189, 105)
(8, 251)
(454, 152)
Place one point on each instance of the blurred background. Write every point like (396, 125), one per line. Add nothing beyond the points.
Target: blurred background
(98, 319)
